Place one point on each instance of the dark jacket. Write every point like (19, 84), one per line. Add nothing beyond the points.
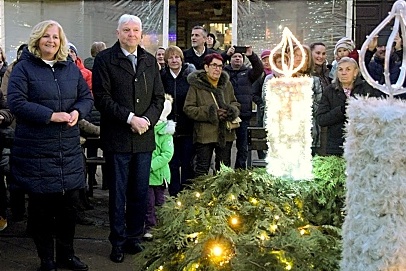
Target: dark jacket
(323, 72)
(118, 90)
(178, 88)
(6, 132)
(331, 112)
(191, 57)
(242, 81)
(375, 67)
(201, 107)
(3, 71)
(46, 156)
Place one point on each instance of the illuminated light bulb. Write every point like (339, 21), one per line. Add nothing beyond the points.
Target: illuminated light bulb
(288, 266)
(197, 195)
(234, 220)
(274, 227)
(302, 232)
(232, 197)
(179, 203)
(217, 251)
(263, 236)
(254, 201)
(276, 217)
(161, 268)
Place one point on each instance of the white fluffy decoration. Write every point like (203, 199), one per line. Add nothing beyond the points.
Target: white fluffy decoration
(374, 230)
(288, 120)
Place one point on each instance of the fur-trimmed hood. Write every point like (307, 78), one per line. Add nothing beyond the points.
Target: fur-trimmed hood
(165, 127)
(199, 79)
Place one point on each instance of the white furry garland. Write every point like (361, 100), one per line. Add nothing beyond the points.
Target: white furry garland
(374, 230)
(288, 118)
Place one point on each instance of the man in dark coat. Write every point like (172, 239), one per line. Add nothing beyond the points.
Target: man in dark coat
(195, 55)
(129, 95)
(242, 78)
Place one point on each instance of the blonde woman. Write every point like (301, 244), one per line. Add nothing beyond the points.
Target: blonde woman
(48, 96)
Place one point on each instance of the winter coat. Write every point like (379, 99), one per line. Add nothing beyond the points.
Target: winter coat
(322, 72)
(242, 81)
(201, 107)
(119, 90)
(331, 112)
(4, 80)
(87, 74)
(375, 67)
(191, 57)
(317, 93)
(5, 130)
(178, 88)
(88, 63)
(163, 153)
(46, 156)
(3, 71)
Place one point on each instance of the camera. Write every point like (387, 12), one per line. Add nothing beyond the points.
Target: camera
(240, 49)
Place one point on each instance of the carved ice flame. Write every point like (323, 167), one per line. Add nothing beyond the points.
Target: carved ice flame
(288, 41)
(399, 13)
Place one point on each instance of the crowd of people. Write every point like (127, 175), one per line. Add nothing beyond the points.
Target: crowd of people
(163, 121)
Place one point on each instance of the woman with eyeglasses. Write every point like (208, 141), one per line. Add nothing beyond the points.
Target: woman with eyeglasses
(210, 102)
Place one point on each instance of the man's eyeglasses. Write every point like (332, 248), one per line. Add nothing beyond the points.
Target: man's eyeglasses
(215, 66)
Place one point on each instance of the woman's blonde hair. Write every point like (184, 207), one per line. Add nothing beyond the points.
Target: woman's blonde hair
(309, 67)
(173, 50)
(37, 33)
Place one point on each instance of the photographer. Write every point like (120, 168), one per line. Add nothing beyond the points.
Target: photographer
(375, 58)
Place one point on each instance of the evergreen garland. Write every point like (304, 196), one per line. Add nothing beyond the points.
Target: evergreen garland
(280, 224)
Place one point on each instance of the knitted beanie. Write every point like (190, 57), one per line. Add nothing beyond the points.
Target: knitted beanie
(73, 48)
(345, 43)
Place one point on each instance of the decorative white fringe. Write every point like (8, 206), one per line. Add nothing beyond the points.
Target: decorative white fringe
(374, 230)
(288, 120)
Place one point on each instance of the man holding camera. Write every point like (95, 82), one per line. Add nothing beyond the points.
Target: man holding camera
(375, 58)
(242, 78)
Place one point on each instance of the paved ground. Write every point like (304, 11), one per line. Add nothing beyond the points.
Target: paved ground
(18, 253)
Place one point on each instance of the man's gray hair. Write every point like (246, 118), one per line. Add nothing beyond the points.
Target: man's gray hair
(125, 18)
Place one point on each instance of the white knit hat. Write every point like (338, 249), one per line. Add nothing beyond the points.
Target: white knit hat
(167, 107)
(345, 43)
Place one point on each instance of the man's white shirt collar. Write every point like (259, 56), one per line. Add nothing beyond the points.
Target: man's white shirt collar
(126, 53)
(199, 54)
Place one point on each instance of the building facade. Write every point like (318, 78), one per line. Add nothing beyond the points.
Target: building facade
(235, 22)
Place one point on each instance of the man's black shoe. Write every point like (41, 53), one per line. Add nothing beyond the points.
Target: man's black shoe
(72, 263)
(133, 248)
(47, 265)
(117, 255)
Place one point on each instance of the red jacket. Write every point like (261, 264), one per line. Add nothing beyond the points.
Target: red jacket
(87, 74)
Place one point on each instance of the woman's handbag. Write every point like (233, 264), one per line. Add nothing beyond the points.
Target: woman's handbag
(234, 124)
